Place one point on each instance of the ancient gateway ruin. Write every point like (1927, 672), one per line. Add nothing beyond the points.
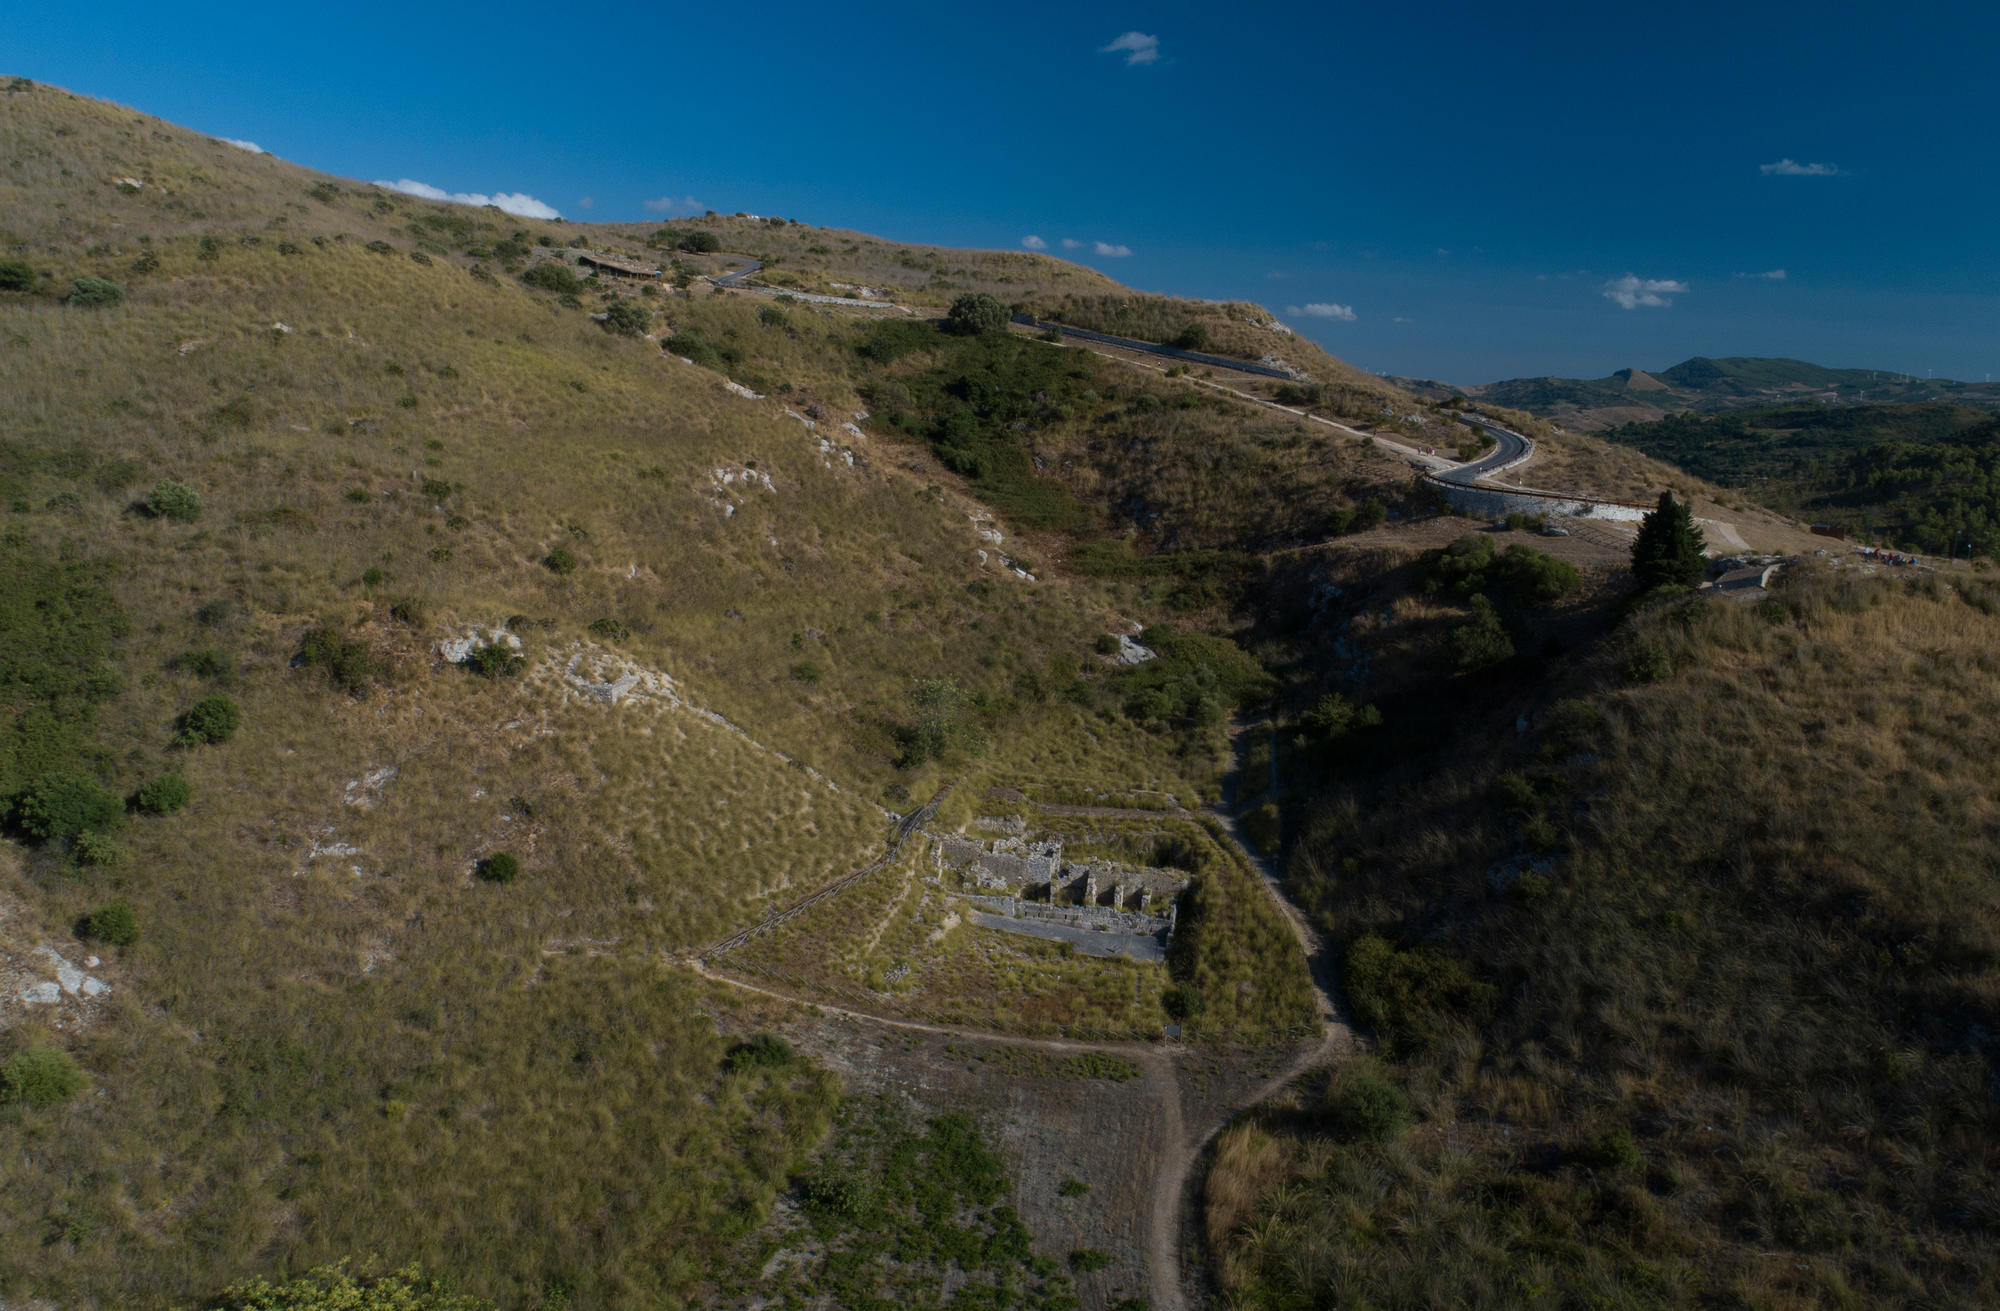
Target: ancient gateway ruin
(1018, 885)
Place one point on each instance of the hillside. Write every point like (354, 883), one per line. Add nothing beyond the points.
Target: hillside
(1709, 386)
(1684, 996)
(524, 770)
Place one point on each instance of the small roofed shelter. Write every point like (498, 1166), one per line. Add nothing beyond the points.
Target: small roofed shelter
(623, 268)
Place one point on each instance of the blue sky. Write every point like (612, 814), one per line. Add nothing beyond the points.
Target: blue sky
(1464, 191)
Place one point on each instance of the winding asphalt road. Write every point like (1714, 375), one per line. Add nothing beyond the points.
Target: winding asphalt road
(732, 279)
(1509, 448)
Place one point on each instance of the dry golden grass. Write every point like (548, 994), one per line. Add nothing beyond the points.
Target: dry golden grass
(1729, 1021)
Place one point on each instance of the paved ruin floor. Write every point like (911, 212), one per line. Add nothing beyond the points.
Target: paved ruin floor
(1088, 942)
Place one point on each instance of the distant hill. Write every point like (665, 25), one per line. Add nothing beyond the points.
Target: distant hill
(1708, 386)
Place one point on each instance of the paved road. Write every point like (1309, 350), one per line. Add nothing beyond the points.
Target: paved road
(1509, 448)
(1154, 348)
(731, 279)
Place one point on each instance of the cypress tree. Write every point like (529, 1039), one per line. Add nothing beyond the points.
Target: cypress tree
(1667, 551)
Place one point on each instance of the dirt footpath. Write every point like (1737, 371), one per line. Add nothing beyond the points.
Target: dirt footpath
(1133, 1142)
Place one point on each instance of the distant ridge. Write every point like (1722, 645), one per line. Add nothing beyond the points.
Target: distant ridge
(1707, 385)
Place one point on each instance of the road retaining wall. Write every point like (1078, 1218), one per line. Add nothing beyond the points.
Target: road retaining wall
(1497, 502)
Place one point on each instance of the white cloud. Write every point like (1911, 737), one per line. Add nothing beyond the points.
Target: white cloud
(1070, 243)
(1631, 291)
(588, 202)
(1109, 251)
(1401, 319)
(668, 204)
(1033, 242)
(518, 203)
(1774, 275)
(1791, 168)
(1321, 309)
(1137, 47)
(250, 146)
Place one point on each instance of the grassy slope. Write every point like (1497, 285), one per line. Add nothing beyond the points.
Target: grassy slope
(331, 1038)
(1731, 1047)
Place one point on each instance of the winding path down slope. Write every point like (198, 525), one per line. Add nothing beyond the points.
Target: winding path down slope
(1173, 1200)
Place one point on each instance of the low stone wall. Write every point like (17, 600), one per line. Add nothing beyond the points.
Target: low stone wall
(1497, 503)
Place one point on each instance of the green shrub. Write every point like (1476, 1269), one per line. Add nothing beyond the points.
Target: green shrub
(164, 795)
(766, 1051)
(174, 501)
(839, 1196)
(976, 313)
(212, 719)
(1184, 1001)
(701, 243)
(1648, 662)
(1537, 577)
(1072, 1188)
(1461, 567)
(627, 318)
(1402, 995)
(773, 317)
(1481, 641)
(559, 561)
(500, 867)
(348, 664)
(1362, 1104)
(202, 662)
(1087, 1259)
(553, 275)
(1194, 337)
(16, 275)
(609, 630)
(115, 924)
(1106, 644)
(1615, 1151)
(333, 1288)
(41, 1077)
(97, 850)
(63, 805)
(96, 291)
(494, 660)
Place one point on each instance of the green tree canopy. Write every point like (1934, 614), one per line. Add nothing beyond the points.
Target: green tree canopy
(975, 313)
(1667, 551)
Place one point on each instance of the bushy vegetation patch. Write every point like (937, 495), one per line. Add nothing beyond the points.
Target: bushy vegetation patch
(174, 501)
(627, 318)
(40, 1077)
(1470, 566)
(891, 1205)
(349, 664)
(115, 924)
(211, 719)
(553, 275)
(94, 292)
(336, 1288)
